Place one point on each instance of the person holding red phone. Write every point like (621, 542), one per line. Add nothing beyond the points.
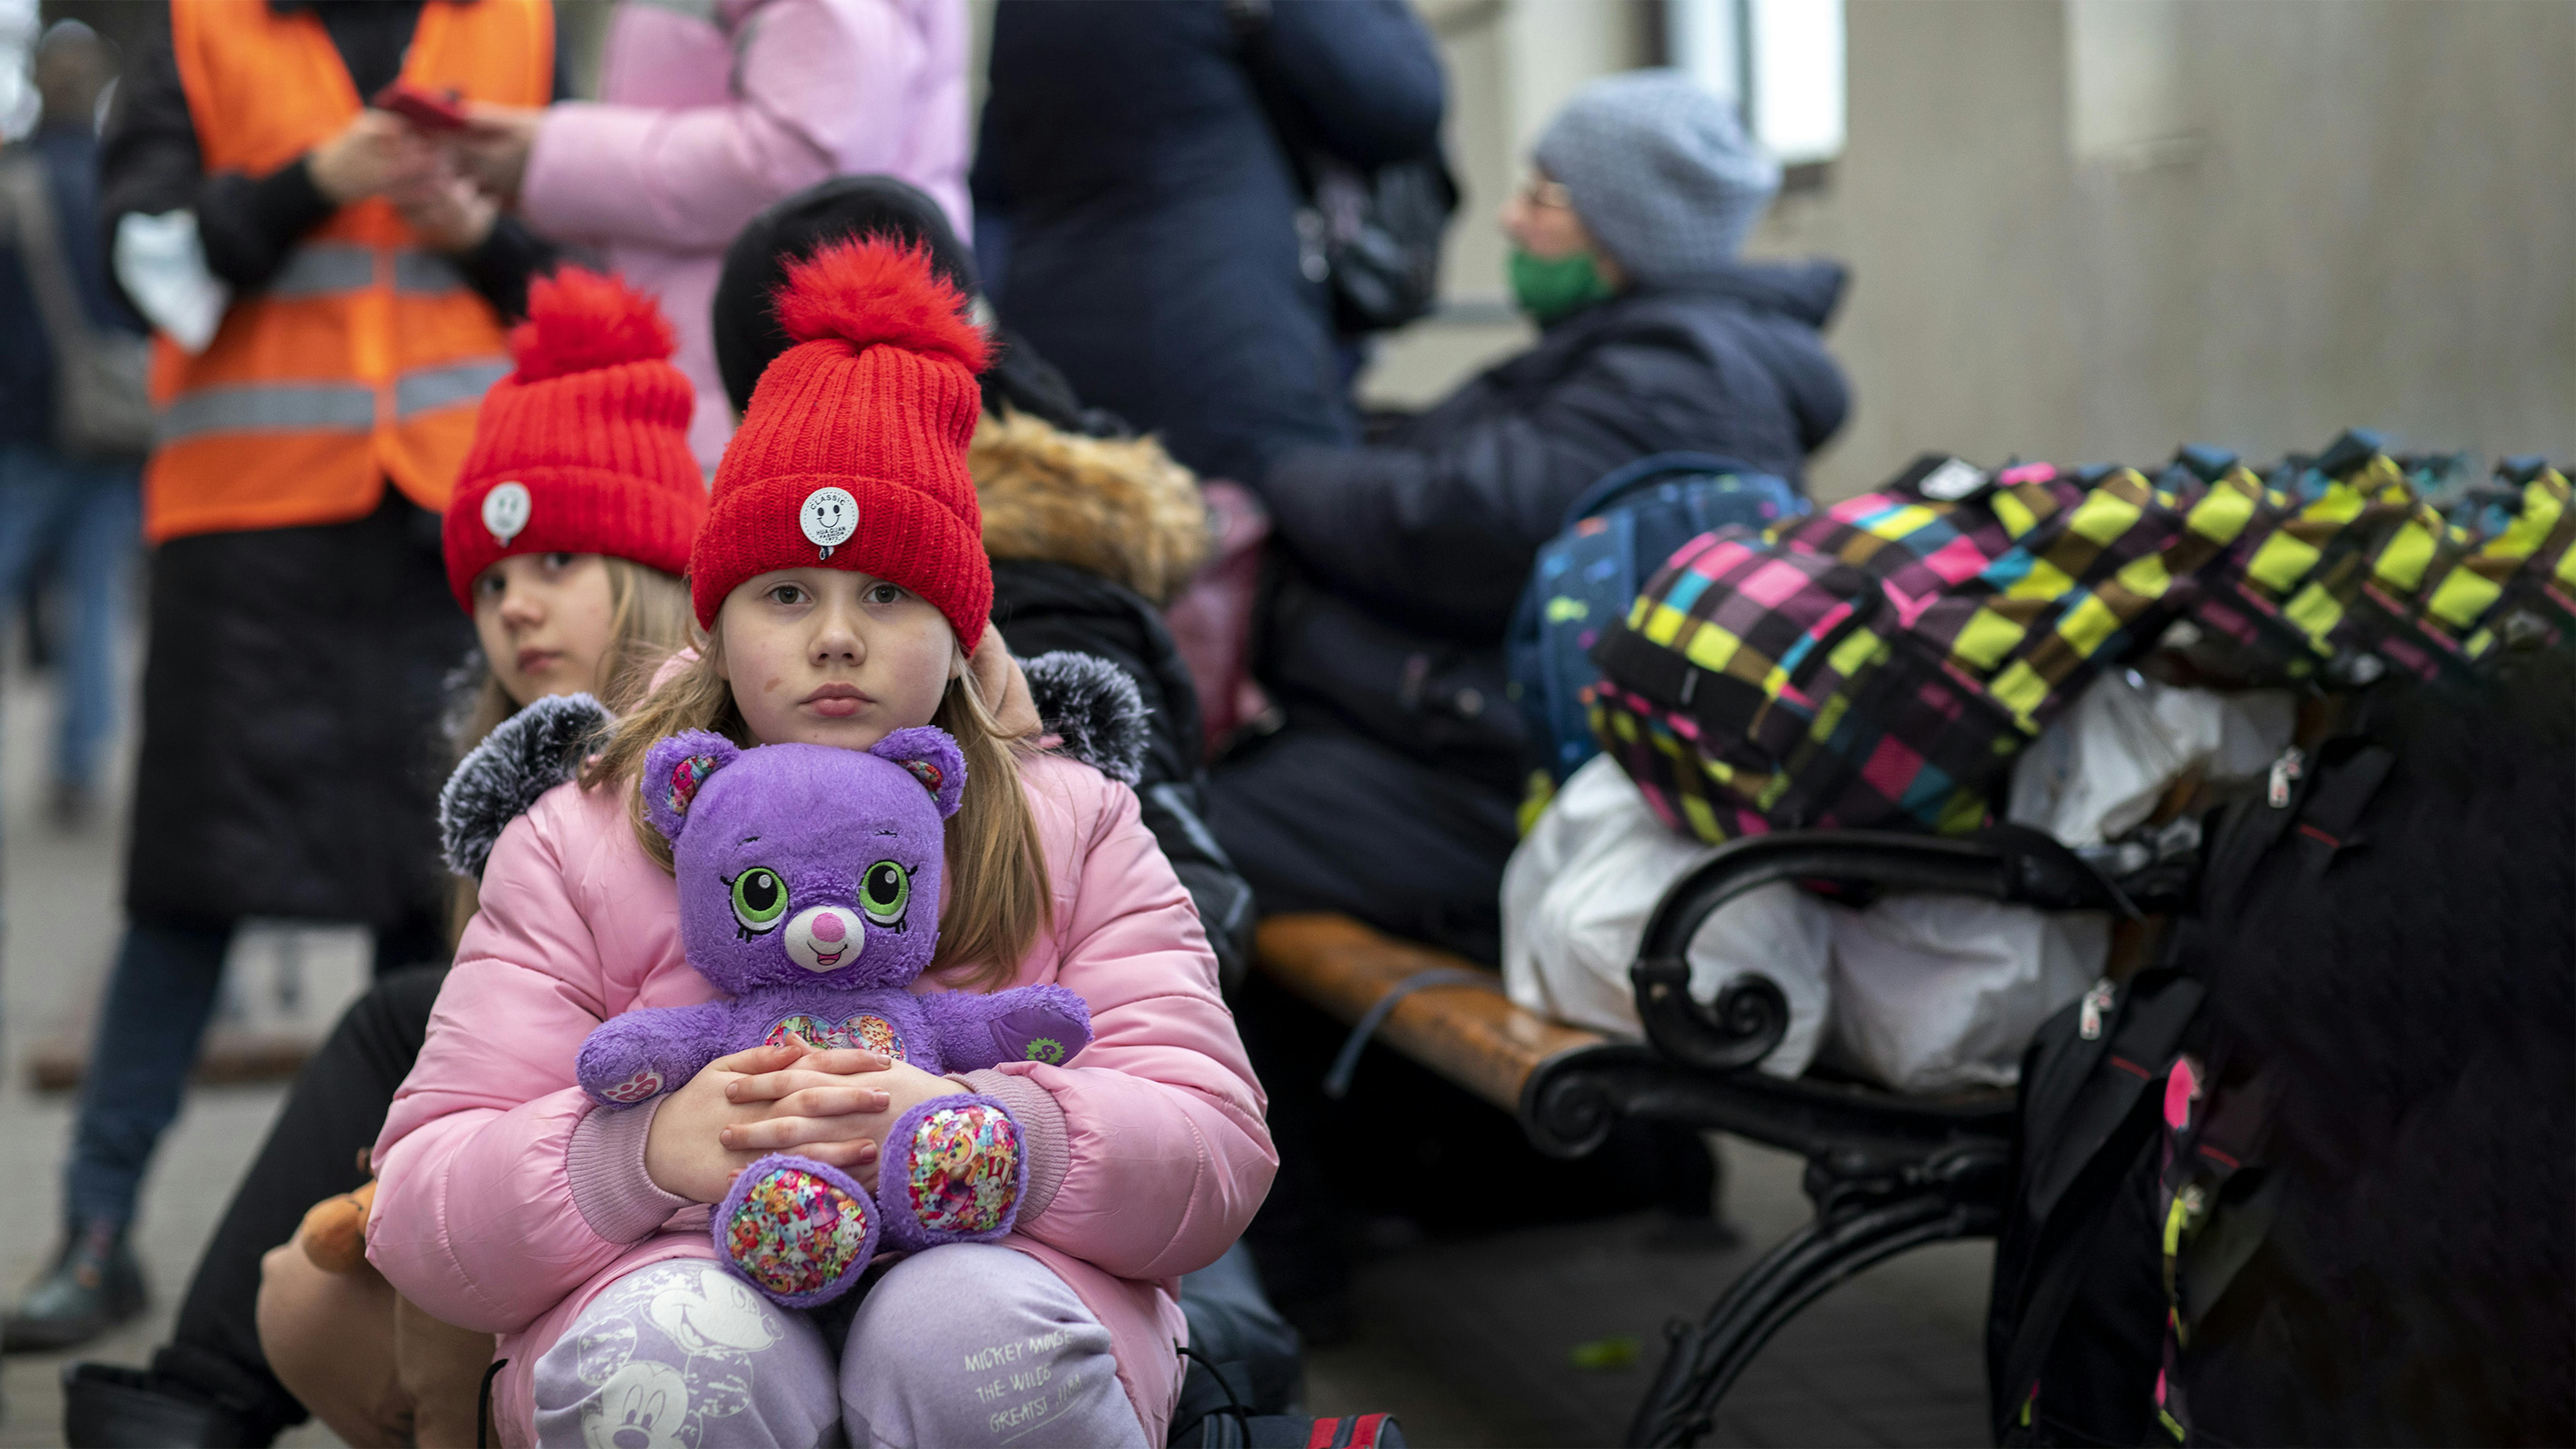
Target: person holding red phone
(431, 112)
(707, 114)
(330, 296)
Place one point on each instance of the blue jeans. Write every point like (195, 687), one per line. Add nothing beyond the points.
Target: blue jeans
(160, 994)
(90, 515)
(151, 1020)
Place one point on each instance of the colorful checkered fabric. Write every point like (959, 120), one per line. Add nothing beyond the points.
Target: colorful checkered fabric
(2286, 590)
(2439, 599)
(1880, 666)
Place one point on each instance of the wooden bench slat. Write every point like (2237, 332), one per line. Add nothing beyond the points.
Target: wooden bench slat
(1474, 1037)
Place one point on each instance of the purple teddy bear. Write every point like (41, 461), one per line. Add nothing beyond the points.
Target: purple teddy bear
(809, 890)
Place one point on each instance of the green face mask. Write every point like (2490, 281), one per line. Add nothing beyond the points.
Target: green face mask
(1551, 288)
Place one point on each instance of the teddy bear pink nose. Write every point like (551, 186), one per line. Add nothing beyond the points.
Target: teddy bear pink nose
(828, 927)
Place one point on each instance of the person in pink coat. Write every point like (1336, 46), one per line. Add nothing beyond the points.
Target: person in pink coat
(507, 1202)
(709, 112)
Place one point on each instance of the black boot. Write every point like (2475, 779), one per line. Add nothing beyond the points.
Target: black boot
(109, 1406)
(94, 1286)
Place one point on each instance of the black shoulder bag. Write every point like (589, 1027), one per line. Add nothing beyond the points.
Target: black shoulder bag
(1371, 237)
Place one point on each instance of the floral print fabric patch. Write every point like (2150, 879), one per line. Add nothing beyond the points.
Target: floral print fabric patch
(795, 1233)
(867, 1030)
(874, 1033)
(965, 1169)
(686, 777)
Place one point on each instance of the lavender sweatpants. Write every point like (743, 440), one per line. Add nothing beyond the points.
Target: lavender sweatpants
(967, 1344)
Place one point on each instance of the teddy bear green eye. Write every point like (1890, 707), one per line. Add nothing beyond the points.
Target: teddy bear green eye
(759, 898)
(883, 890)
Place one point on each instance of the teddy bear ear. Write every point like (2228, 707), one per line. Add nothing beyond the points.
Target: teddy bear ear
(675, 769)
(929, 755)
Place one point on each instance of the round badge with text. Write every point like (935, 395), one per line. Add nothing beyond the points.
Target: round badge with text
(505, 511)
(829, 516)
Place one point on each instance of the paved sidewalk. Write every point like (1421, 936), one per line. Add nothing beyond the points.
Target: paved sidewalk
(59, 916)
(1469, 1342)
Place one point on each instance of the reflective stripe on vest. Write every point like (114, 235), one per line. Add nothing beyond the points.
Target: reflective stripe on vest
(269, 408)
(321, 268)
(318, 269)
(427, 389)
(421, 272)
(325, 407)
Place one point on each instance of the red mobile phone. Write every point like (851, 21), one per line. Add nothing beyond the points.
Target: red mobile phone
(429, 110)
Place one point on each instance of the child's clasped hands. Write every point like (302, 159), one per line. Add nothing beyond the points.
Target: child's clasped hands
(832, 1104)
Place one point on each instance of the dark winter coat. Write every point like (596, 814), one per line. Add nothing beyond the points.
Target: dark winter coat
(1042, 608)
(290, 757)
(1403, 561)
(1435, 530)
(1136, 215)
(1399, 566)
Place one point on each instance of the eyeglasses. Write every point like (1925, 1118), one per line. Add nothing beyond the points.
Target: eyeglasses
(1539, 191)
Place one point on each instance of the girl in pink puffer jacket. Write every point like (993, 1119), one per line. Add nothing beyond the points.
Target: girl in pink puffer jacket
(840, 566)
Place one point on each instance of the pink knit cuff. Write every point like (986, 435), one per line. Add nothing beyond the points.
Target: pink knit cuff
(605, 1161)
(1042, 1131)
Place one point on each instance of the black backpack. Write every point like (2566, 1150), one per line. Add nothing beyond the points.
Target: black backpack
(2305, 1180)
(2073, 1332)
(2076, 1329)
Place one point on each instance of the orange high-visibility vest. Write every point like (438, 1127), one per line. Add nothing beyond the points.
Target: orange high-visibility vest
(364, 357)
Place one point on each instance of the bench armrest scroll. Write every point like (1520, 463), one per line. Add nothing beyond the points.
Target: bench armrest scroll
(1751, 1015)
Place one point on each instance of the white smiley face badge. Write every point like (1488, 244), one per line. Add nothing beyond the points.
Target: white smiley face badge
(829, 516)
(505, 511)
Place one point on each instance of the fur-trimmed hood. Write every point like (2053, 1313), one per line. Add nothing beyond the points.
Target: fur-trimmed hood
(526, 755)
(1093, 709)
(1089, 705)
(1119, 507)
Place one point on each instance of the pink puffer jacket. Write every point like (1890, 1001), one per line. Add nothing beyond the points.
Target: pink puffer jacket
(492, 1193)
(711, 110)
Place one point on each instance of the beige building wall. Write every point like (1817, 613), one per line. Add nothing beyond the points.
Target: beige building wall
(2089, 229)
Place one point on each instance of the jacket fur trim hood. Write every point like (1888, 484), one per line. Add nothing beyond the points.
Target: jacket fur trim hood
(1119, 507)
(1088, 703)
(526, 755)
(1094, 710)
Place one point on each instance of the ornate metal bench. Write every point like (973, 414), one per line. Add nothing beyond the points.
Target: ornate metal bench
(1886, 1172)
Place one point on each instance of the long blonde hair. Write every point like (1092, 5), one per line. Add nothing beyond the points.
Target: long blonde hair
(998, 896)
(649, 619)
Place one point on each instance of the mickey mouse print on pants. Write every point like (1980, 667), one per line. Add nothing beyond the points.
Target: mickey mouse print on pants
(670, 1356)
(809, 881)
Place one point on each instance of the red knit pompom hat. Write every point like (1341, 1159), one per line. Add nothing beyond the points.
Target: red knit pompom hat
(853, 452)
(584, 447)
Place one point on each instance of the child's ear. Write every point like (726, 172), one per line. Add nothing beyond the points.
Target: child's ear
(675, 769)
(932, 758)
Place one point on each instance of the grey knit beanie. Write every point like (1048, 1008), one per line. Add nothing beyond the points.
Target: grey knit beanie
(1661, 173)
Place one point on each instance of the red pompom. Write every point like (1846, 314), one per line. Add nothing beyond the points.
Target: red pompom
(579, 321)
(872, 289)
